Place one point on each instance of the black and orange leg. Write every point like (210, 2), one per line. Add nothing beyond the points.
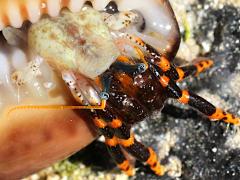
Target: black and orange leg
(142, 153)
(193, 100)
(179, 73)
(194, 69)
(138, 150)
(113, 146)
(175, 73)
(118, 156)
(202, 105)
(124, 138)
(154, 57)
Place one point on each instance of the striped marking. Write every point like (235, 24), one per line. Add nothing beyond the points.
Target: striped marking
(124, 59)
(164, 64)
(111, 141)
(100, 123)
(164, 80)
(181, 74)
(219, 114)
(229, 118)
(158, 169)
(126, 142)
(185, 97)
(152, 157)
(203, 65)
(154, 164)
(115, 123)
(126, 167)
(136, 40)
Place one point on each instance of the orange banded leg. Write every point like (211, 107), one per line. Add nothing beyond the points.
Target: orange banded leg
(205, 107)
(118, 156)
(176, 74)
(142, 153)
(124, 138)
(160, 60)
(106, 128)
(193, 100)
(194, 69)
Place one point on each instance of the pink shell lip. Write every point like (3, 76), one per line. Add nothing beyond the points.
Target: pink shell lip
(30, 145)
(31, 140)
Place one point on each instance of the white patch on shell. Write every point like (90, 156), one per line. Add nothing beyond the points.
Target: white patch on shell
(75, 41)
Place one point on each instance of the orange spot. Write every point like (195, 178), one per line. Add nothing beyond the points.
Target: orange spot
(139, 41)
(130, 171)
(203, 65)
(164, 80)
(164, 64)
(209, 62)
(180, 74)
(231, 119)
(126, 142)
(218, 115)
(154, 164)
(125, 166)
(124, 59)
(158, 169)
(100, 123)
(116, 123)
(111, 142)
(152, 157)
(185, 97)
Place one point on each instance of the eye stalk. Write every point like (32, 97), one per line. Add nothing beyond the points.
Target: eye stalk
(104, 95)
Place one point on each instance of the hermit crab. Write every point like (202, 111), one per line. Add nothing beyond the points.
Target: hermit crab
(115, 59)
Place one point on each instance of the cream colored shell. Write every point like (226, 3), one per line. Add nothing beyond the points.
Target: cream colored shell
(75, 41)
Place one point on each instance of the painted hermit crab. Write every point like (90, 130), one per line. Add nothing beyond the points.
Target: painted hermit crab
(115, 59)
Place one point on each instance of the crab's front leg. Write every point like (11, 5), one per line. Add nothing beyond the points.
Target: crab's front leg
(95, 100)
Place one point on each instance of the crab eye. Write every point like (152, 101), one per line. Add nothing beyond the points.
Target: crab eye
(111, 8)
